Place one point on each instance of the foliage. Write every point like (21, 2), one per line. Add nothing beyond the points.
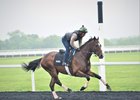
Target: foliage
(135, 40)
(20, 40)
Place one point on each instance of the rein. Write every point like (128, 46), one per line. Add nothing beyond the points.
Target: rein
(88, 52)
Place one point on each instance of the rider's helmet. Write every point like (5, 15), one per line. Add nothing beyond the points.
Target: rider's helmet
(83, 29)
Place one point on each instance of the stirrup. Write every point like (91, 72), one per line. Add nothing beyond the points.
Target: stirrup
(63, 64)
(67, 65)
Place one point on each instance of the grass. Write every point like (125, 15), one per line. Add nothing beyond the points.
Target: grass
(16, 60)
(124, 78)
(121, 78)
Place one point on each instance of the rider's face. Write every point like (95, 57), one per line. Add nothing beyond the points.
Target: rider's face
(82, 34)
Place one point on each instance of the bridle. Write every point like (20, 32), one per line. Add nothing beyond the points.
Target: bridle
(91, 52)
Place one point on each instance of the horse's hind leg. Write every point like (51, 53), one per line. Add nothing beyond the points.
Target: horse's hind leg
(55, 80)
(62, 85)
(52, 83)
(92, 74)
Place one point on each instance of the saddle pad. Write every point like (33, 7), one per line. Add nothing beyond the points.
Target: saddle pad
(58, 59)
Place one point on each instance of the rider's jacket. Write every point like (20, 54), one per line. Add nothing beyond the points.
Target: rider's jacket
(69, 35)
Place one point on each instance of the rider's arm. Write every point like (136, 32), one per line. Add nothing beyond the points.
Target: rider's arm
(80, 42)
(73, 38)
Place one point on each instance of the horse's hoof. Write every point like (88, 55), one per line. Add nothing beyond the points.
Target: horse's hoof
(69, 90)
(82, 88)
(58, 98)
(108, 87)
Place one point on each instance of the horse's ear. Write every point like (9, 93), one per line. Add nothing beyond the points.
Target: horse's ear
(94, 38)
(98, 38)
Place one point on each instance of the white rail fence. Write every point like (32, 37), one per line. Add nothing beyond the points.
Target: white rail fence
(41, 52)
(95, 64)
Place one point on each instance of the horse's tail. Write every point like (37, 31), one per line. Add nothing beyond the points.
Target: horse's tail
(32, 65)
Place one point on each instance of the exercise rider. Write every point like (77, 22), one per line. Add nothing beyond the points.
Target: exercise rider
(68, 41)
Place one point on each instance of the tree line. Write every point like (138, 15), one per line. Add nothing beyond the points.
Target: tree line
(135, 40)
(20, 40)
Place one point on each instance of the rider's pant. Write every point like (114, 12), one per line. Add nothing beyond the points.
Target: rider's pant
(68, 47)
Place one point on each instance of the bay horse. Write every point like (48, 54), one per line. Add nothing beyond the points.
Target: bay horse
(79, 67)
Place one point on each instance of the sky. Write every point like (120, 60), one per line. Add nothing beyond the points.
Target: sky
(56, 17)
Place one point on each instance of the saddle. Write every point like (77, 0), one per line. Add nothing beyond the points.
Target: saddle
(60, 56)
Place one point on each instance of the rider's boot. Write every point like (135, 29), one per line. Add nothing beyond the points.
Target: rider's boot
(65, 64)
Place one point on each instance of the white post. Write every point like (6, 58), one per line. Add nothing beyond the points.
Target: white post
(101, 68)
(33, 81)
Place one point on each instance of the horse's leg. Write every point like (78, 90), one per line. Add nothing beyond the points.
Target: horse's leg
(55, 80)
(92, 74)
(85, 85)
(52, 83)
(62, 85)
(81, 74)
(66, 88)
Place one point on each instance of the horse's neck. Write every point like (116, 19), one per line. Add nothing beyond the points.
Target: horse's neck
(85, 50)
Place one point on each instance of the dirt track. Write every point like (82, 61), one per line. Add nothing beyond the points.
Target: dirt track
(70, 96)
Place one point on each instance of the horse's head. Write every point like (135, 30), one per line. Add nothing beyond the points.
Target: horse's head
(96, 47)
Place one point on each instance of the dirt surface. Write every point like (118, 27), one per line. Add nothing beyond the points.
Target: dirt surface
(70, 96)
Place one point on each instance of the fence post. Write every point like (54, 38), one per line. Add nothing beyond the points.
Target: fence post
(101, 68)
(33, 81)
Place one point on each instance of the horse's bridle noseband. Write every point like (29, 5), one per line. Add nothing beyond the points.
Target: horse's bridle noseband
(91, 52)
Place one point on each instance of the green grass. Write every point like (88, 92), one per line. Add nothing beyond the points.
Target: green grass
(120, 57)
(14, 79)
(124, 78)
(121, 78)
(16, 60)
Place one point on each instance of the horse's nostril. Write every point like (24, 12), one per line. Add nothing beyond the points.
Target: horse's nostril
(101, 57)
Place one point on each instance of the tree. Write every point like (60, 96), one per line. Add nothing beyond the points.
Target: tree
(19, 40)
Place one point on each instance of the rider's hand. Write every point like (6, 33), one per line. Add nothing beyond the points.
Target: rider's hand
(78, 49)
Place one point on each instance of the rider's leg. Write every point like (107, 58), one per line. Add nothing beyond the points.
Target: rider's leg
(72, 53)
(66, 55)
(66, 45)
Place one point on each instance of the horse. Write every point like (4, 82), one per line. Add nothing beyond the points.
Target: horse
(79, 67)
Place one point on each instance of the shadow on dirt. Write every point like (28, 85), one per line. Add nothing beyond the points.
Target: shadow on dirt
(71, 96)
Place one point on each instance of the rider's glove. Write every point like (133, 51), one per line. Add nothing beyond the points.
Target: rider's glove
(78, 49)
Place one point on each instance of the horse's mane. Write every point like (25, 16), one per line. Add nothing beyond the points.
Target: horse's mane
(87, 42)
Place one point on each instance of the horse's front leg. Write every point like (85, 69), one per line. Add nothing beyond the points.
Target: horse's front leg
(81, 74)
(85, 85)
(92, 74)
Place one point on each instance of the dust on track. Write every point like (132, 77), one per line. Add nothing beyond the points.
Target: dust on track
(92, 95)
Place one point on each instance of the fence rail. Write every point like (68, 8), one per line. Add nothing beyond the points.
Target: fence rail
(41, 52)
(93, 63)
